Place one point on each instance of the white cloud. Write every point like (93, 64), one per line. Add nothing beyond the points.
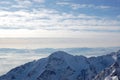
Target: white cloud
(40, 18)
(78, 6)
(40, 1)
(17, 60)
(104, 7)
(22, 4)
(51, 20)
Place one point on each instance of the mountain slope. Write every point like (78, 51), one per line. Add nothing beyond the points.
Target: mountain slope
(61, 66)
(112, 72)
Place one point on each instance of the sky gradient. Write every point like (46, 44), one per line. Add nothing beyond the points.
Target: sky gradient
(83, 19)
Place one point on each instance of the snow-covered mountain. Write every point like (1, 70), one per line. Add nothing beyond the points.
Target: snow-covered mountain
(112, 72)
(62, 66)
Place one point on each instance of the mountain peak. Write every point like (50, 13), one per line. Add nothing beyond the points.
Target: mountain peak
(59, 54)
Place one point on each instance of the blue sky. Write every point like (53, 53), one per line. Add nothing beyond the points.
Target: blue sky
(85, 19)
(34, 16)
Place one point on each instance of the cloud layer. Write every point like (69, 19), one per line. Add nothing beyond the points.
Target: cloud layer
(37, 16)
(16, 59)
(52, 20)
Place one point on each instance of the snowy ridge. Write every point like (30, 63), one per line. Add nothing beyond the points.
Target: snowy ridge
(112, 72)
(62, 66)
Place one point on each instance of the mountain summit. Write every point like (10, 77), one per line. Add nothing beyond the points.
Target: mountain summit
(63, 66)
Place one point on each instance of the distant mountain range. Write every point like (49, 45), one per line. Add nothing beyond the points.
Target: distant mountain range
(76, 51)
(63, 66)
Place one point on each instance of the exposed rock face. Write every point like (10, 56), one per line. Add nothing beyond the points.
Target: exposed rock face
(112, 72)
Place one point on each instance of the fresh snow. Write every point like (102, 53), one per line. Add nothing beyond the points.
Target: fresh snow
(63, 66)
